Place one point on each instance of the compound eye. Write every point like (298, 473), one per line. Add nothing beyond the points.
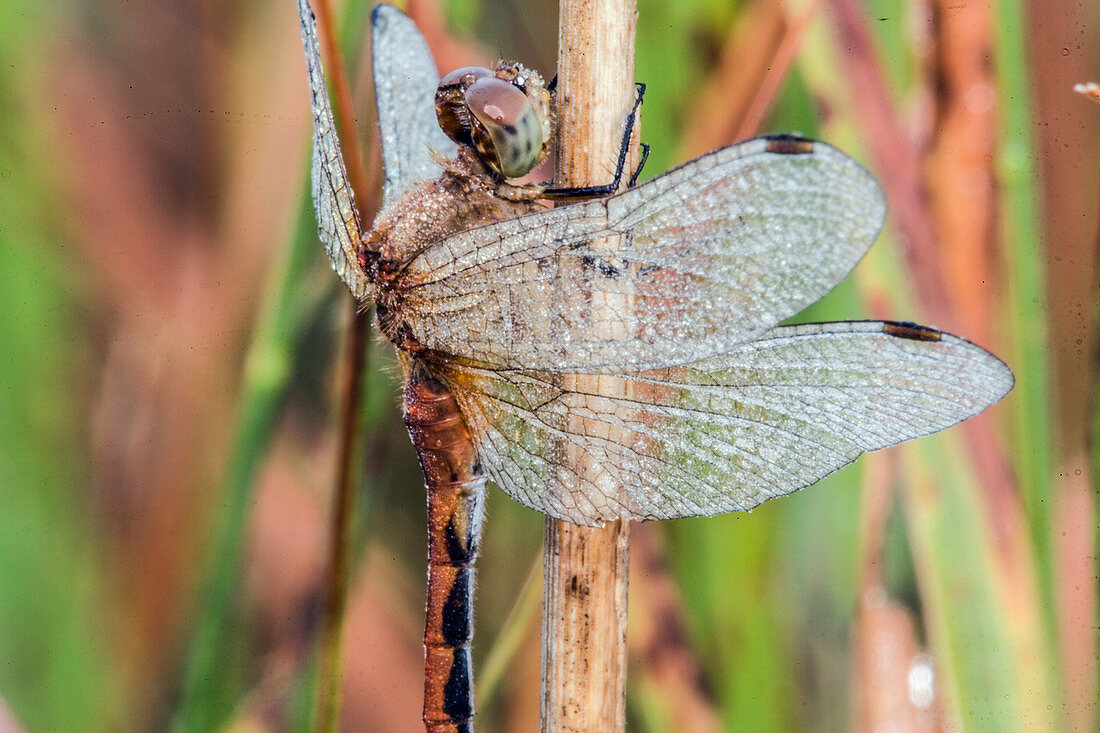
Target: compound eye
(465, 76)
(450, 102)
(514, 128)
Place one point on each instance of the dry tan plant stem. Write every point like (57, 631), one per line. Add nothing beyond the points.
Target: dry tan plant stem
(585, 574)
(341, 540)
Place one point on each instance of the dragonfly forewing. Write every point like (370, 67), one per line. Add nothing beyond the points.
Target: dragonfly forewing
(338, 223)
(405, 78)
(711, 255)
(725, 434)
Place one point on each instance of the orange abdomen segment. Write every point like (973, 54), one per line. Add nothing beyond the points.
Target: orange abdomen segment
(456, 490)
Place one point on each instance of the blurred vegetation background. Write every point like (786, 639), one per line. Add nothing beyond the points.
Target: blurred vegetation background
(170, 386)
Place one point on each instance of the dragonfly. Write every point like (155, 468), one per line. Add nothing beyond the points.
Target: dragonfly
(517, 351)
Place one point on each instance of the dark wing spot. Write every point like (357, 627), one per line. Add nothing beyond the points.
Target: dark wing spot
(789, 145)
(911, 331)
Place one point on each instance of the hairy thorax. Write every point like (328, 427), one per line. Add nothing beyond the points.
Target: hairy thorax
(464, 197)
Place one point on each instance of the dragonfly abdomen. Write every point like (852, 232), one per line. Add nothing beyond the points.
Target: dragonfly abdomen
(456, 489)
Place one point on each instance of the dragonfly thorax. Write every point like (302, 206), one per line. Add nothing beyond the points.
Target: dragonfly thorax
(463, 198)
(503, 115)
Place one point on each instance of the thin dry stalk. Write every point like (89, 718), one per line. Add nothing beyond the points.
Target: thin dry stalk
(330, 663)
(740, 90)
(777, 70)
(585, 576)
(893, 152)
(886, 650)
(719, 109)
(341, 96)
(1062, 39)
(341, 527)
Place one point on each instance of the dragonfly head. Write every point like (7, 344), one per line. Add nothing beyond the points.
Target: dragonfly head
(504, 115)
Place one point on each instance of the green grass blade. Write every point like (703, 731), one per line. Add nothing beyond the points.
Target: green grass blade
(209, 690)
(1025, 275)
(57, 669)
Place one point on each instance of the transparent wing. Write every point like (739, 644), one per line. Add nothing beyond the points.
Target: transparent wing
(711, 254)
(405, 79)
(774, 415)
(338, 223)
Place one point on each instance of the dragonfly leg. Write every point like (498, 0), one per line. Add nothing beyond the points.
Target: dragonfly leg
(641, 164)
(588, 192)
